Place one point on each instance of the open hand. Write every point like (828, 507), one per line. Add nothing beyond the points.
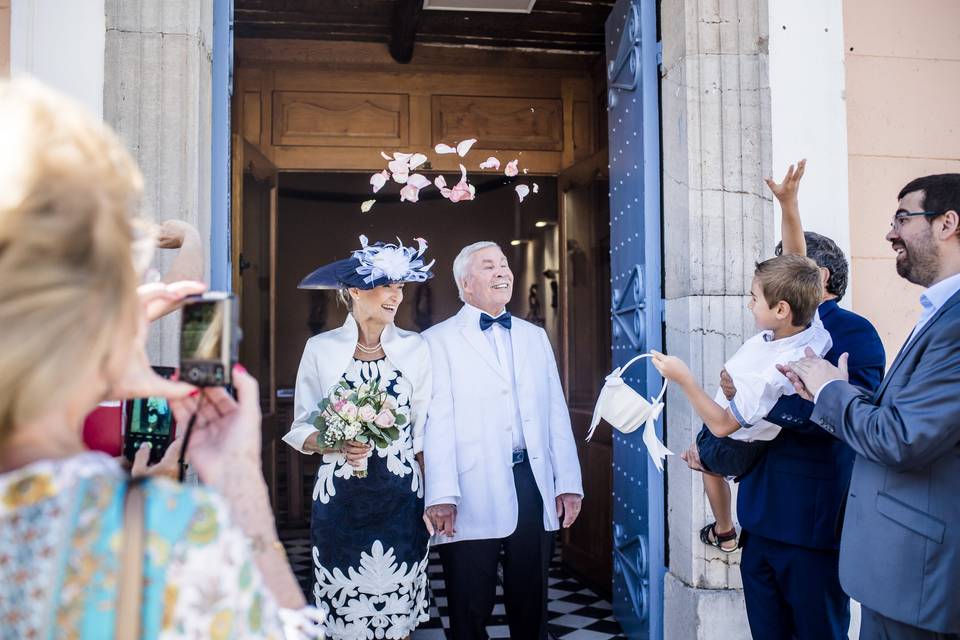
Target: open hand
(790, 187)
(671, 367)
(809, 374)
(726, 385)
(568, 508)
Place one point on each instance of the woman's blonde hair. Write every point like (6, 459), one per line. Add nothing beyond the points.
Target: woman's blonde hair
(68, 284)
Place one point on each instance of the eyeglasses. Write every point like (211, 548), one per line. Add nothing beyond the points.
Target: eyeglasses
(900, 216)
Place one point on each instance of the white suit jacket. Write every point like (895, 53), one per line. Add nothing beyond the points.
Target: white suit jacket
(326, 358)
(468, 443)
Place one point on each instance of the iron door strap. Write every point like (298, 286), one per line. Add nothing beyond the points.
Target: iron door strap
(630, 561)
(628, 310)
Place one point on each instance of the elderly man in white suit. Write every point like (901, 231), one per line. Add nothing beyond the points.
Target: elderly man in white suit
(501, 462)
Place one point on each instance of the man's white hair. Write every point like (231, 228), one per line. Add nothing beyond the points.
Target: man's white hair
(463, 258)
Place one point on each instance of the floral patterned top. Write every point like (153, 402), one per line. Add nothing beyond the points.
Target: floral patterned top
(61, 526)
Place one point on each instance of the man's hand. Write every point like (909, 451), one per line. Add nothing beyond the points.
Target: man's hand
(568, 508)
(692, 457)
(444, 519)
(809, 374)
(726, 385)
(787, 190)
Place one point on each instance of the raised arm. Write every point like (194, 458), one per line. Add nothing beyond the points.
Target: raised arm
(786, 193)
(719, 420)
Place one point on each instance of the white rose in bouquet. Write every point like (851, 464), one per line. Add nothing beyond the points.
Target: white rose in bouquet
(385, 420)
(349, 411)
(367, 413)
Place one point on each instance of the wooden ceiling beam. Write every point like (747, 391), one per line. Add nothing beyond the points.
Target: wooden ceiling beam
(403, 29)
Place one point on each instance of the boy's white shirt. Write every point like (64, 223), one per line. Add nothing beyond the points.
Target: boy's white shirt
(759, 385)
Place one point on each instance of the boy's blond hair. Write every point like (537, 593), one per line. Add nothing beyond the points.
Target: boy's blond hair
(795, 280)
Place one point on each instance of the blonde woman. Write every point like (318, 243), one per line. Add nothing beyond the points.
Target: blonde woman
(369, 538)
(72, 335)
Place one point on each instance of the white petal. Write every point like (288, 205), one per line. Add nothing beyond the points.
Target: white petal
(367, 205)
(416, 160)
(378, 180)
(410, 193)
(385, 156)
(536, 188)
(473, 191)
(403, 157)
(398, 166)
(440, 182)
(463, 148)
(463, 173)
(522, 190)
(524, 172)
(400, 177)
(490, 163)
(444, 148)
(418, 181)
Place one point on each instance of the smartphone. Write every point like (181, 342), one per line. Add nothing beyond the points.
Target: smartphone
(148, 420)
(209, 339)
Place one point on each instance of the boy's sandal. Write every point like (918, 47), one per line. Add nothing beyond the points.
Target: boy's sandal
(709, 537)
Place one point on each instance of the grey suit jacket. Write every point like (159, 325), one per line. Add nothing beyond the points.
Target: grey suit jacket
(900, 547)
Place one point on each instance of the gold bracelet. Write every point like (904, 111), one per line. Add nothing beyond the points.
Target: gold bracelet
(259, 544)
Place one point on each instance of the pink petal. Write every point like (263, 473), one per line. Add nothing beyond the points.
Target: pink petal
(385, 156)
(440, 182)
(511, 169)
(402, 157)
(400, 177)
(490, 163)
(418, 181)
(536, 188)
(416, 160)
(399, 166)
(463, 148)
(367, 205)
(410, 193)
(446, 193)
(444, 148)
(522, 190)
(379, 179)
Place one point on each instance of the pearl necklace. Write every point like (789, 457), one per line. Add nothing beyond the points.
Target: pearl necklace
(374, 349)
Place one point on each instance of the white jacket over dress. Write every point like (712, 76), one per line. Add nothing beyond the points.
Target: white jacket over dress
(326, 357)
(468, 443)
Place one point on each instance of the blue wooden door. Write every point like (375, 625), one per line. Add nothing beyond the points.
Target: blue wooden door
(635, 262)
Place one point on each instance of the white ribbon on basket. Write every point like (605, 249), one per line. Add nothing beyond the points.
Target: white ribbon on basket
(626, 410)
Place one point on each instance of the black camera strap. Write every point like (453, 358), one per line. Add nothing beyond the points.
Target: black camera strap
(186, 439)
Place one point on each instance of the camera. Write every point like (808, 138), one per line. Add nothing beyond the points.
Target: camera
(209, 339)
(148, 420)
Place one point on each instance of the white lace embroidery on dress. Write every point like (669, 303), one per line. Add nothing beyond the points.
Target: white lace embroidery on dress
(378, 600)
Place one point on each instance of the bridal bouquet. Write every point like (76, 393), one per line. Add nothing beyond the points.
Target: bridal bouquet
(367, 414)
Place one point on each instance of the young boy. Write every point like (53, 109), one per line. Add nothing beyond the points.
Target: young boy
(785, 294)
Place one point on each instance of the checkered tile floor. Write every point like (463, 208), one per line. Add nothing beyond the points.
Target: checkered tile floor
(576, 613)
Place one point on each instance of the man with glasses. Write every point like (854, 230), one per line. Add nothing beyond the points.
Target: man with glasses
(900, 547)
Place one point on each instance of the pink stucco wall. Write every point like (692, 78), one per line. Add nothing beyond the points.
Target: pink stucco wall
(903, 121)
(4, 37)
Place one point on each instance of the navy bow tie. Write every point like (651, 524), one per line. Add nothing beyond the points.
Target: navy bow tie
(504, 320)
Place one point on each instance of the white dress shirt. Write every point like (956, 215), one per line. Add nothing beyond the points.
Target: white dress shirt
(499, 338)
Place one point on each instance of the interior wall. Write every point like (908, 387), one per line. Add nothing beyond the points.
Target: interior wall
(4, 38)
(313, 229)
(902, 123)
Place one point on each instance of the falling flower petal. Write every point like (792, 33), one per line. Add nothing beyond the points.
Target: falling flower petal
(416, 160)
(409, 193)
(402, 157)
(367, 205)
(490, 163)
(524, 172)
(418, 181)
(444, 148)
(463, 148)
(379, 179)
(440, 182)
(400, 177)
(385, 156)
(511, 169)
(398, 166)
(473, 191)
(463, 173)
(522, 190)
(536, 188)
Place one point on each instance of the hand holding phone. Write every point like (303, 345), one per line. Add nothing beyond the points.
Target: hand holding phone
(148, 421)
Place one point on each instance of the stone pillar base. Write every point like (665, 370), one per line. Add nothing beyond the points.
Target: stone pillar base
(702, 614)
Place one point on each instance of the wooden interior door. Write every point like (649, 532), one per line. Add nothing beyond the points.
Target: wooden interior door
(254, 259)
(585, 331)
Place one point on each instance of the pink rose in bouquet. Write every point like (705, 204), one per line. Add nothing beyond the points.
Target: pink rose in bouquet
(367, 413)
(385, 420)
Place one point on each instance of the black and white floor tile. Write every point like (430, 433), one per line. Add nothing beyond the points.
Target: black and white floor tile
(576, 612)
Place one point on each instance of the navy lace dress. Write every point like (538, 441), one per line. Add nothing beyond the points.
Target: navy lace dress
(369, 541)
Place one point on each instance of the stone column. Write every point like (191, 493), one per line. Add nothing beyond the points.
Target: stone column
(157, 94)
(717, 223)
